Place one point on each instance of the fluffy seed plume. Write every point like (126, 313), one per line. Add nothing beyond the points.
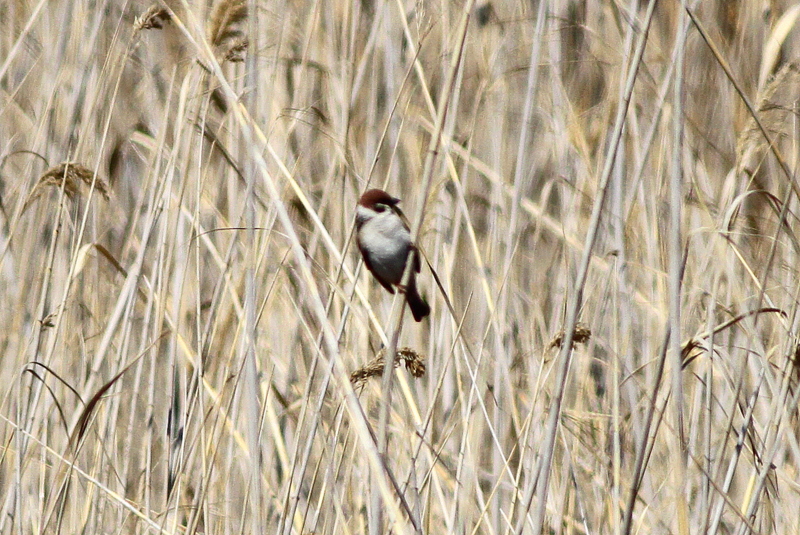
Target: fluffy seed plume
(413, 361)
(235, 53)
(72, 175)
(225, 19)
(581, 335)
(776, 107)
(153, 18)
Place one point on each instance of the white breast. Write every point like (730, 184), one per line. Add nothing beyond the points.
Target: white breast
(388, 242)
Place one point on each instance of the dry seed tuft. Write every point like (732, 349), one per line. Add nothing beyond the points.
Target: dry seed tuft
(776, 109)
(225, 19)
(236, 52)
(72, 175)
(581, 335)
(414, 364)
(153, 18)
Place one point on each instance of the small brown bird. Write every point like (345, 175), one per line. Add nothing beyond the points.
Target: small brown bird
(385, 243)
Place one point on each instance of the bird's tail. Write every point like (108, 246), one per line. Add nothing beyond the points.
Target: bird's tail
(419, 307)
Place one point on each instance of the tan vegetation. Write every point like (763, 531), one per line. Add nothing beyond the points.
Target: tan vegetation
(606, 193)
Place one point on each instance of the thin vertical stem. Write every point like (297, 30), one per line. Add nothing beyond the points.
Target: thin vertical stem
(576, 300)
(679, 484)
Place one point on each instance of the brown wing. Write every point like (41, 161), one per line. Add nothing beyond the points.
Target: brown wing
(399, 212)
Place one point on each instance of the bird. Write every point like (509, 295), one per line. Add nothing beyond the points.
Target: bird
(385, 243)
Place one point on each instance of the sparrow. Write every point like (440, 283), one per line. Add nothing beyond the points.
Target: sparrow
(385, 243)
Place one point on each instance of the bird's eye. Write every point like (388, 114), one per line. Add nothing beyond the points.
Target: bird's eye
(380, 207)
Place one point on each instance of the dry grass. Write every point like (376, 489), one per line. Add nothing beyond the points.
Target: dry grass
(184, 310)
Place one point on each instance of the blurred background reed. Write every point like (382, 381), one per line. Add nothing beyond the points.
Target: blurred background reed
(183, 307)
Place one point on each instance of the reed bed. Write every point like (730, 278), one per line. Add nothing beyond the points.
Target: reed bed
(605, 194)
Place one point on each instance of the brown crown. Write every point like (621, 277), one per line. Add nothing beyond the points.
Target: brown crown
(377, 196)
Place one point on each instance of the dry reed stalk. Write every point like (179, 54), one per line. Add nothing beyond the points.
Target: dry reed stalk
(342, 92)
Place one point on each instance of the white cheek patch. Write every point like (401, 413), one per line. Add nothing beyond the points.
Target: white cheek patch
(364, 214)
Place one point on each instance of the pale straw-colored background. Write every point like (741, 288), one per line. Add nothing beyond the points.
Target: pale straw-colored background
(182, 307)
